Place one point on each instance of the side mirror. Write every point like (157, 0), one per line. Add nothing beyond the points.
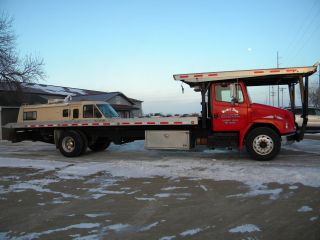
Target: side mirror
(233, 94)
(234, 101)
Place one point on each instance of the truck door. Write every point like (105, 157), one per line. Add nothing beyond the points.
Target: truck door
(229, 107)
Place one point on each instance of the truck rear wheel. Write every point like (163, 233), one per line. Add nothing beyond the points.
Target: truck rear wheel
(71, 144)
(100, 145)
(263, 144)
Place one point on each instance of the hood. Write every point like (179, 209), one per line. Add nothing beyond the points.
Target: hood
(265, 111)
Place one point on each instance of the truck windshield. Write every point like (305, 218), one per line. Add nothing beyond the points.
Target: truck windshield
(107, 110)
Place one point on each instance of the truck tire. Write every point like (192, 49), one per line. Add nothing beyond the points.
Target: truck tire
(100, 145)
(263, 143)
(71, 143)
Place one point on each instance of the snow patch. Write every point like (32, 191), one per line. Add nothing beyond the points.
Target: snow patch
(313, 219)
(260, 190)
(172, 188)
(145, 199)
(191, 232)
(36, 185)
(204, 188)
(88, 237)
(166, 195)
(305, 209)
(76, 226)
(94, 215)
(247, 228)
(148, 227)
(168, 237)
(293, 187)
(116, 227)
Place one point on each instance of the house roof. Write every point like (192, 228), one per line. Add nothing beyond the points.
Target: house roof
(135, 100)
(101, 97)
(76, 93)
(47, 89)
(120, 107)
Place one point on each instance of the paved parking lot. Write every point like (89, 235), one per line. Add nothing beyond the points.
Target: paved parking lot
(127, 192)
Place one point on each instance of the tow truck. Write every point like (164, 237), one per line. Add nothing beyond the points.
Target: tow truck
(228, 118)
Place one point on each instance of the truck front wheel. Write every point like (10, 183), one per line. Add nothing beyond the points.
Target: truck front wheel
(99, 145)
(71, 144)
(263, 143)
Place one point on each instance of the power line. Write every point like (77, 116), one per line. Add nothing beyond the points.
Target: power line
(305, 43)
(302, 24)
(304, 34)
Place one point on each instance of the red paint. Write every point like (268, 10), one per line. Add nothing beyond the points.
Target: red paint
(151, 123)
(259, 71)
(198, 75)
(138, 123)
(212, 74)
(241, 116)
(164, 122)
(291, 70)
(184, 76)
(274, 71)
(125, 123)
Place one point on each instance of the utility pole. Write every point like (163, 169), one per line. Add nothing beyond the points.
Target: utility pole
(281, 89)
(272, 95)
(278, 85)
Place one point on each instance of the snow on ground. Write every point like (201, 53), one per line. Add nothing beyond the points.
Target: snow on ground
(41, 234)
(46, 165)
(247, 228)
(253, 174)
(305, 209)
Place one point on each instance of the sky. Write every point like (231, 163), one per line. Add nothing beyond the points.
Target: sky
(136, 46)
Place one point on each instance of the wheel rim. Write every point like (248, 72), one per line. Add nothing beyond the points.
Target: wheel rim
(263, 144)
(68, 144)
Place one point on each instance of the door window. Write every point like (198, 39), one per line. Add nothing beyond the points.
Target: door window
(223, 93)
(30, 115)
(91, 111)
(65, 113)
(75, 113)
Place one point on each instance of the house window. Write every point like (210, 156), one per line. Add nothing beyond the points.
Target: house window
(75, 113)
(65, 113)
(30, 115)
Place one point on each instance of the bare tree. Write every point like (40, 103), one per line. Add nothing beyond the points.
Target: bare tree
(314, 97)
(15, 70)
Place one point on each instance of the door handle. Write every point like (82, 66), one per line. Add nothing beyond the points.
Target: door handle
(215, 115)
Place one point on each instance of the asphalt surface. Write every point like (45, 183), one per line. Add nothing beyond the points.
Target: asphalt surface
(127, 192)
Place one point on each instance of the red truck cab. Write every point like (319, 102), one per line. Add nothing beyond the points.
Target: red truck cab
(233, 111)
(230, 119)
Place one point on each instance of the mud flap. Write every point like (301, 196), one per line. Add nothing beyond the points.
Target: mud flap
(56, 135)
